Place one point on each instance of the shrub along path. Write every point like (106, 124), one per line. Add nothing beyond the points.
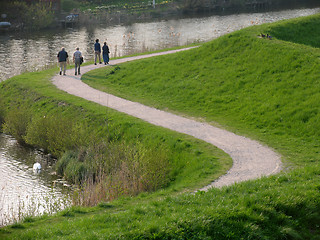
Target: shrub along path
(251, 160)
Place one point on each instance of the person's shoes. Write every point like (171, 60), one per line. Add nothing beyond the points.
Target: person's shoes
(100, 62)
(64, 74)
(78, 73)
(95, 63)
(75, 73)
(105, 63)
(60, 72)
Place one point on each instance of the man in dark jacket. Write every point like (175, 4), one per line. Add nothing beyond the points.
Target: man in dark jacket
(62, 59)
(97, 52)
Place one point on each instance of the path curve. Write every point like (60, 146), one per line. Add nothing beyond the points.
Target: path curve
(251, 160)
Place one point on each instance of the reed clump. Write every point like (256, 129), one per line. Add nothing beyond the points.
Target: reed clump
(133, 174)
(103, 170)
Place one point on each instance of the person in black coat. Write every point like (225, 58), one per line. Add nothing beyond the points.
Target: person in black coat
(63, 59)
(105, 53)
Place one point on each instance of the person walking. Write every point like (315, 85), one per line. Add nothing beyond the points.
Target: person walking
(97, 52)
(62, 60)
(77, 61)
(105, 53)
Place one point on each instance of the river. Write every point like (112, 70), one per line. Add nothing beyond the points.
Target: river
(21, 190)
(20, 52)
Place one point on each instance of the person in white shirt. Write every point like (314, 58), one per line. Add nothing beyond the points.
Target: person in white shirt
(76, 59)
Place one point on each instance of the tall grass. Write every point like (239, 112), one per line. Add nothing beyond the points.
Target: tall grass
(137, 171)
(26, 209)
(108, 171)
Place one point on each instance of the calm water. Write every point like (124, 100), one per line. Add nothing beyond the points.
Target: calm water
(27, 52)
(20, 188)
(22, 191)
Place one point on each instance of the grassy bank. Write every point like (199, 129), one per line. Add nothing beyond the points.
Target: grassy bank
(121, 155)
(266, 89)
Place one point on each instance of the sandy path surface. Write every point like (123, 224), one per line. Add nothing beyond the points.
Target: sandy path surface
(251, 160)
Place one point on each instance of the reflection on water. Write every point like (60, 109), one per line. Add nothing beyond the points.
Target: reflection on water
(23, 192)
(28, 52)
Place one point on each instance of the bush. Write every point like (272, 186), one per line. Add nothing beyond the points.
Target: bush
(16, 124)
(75, 171)
(34, 16)
(63, 162)
(55, 133)
(68, 5)
(110, 171)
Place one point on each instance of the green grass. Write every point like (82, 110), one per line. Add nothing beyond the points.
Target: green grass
(279, 207)
(193, 163)
(265, 89)
(37, 113)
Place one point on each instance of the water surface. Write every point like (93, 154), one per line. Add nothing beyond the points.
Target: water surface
(22, 52)
(24, 192)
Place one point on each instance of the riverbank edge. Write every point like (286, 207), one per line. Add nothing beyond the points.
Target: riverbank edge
(293, 215)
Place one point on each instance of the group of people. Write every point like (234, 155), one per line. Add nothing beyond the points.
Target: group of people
(63, 57)
(97, 52)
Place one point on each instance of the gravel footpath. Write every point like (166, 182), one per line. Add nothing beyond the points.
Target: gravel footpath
(251, 160)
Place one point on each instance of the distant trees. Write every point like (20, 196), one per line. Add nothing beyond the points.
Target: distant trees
(68, 5)
(205, 5)
(24, 16)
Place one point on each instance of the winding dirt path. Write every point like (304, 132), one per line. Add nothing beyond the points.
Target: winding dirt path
(251, 160)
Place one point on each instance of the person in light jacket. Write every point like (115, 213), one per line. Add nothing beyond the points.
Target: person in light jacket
(76, 59)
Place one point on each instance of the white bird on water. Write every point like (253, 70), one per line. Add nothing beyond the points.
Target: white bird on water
(36, 167)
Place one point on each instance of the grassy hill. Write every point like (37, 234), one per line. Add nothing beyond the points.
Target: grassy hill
(265, 89)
